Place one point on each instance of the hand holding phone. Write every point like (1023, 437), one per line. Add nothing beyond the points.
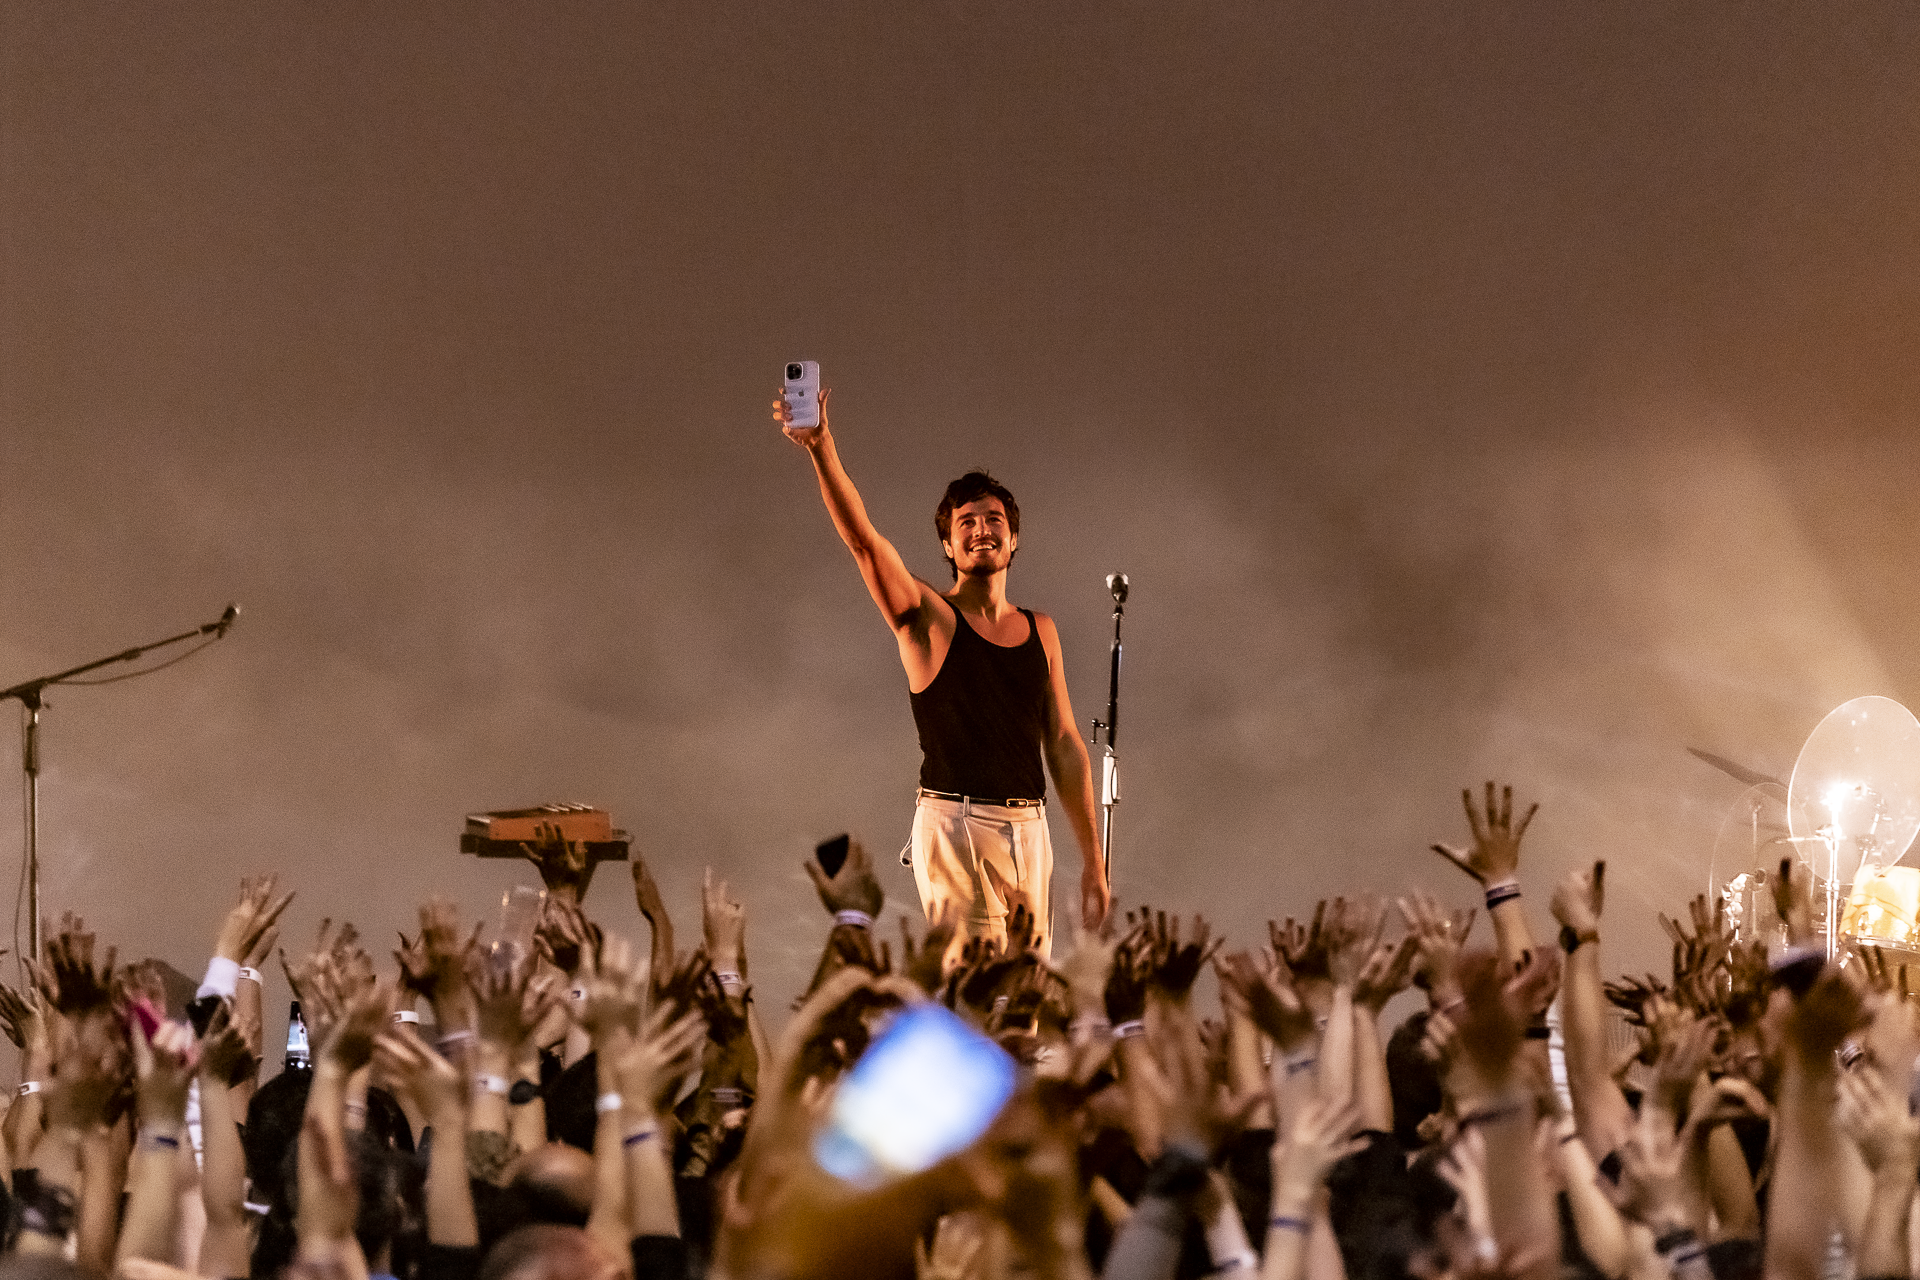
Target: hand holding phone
(801, 408)
(832, 854)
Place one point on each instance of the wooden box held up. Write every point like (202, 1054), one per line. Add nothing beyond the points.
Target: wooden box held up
(500, 834)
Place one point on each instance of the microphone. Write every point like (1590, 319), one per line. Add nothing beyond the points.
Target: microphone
(1117, 584)
(219, 629)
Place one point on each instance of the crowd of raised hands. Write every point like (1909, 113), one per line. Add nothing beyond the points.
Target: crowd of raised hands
(584, 1107)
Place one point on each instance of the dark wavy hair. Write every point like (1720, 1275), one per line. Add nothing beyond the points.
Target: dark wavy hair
(971, 487)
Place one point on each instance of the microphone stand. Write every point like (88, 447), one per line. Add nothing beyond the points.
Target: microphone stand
(31, 696)
(1109, 766)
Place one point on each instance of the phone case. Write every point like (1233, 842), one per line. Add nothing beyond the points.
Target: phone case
(802, 394)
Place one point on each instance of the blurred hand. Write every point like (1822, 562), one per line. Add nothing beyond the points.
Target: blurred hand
(1579, 897)
(723, 925)
(852, 888)
(412, 1067)
(666, 1048)
(251, 919)
(163, 1069)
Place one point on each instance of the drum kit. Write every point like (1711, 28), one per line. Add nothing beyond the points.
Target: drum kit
(1848, 814)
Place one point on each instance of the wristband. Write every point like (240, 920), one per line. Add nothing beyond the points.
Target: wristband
(1296, 1065)
(250, 975)
(1571, 939)
(1129, 1029)
(356, 1110)
(637, 1137)
(1503, 891)
(858, 919)
(1285, 1223)
(491, 1084)
(576, 994)
(407, 1016)
(223, 975)
(1244, 1260)
(1088, 1025)
(728, 1096)
(27, 1087)
(155, 1140)
(607, 1103)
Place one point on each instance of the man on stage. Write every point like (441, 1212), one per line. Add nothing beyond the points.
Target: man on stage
(989, 699)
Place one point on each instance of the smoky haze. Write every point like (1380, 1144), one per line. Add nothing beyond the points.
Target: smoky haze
(1469, 390)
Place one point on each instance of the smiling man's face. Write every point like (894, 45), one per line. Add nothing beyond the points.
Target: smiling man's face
(979, 540)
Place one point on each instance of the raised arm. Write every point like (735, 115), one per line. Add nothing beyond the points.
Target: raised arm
(903, 600)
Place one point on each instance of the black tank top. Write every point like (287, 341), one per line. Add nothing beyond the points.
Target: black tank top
(982, 718)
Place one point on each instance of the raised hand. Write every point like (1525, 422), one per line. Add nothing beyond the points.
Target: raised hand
(163, 1071)
(723, 924)
(564, 865)
(613, 990)
(805, 437)
(852, 888)
(1876, 1120)
(1276, 1008)
(1086, 969)
(93, 1068)
(412, 1067)
(1387, 972)
(230, 1051)
(1494, 854)
(1353, 930)
(1793, 899)
(1579, 898)
(925, 961)
(1302, 947)
(21, 1018)
(252, 919)
(434, 962)
(1174, 965)
(510, 999)
(331, 977)
(361, 1017)
(667, 1045)
(68, 977)
(1438, 936)
(564, 933)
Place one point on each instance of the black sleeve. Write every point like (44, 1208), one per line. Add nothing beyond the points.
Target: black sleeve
(449, 1261)
(658, 1258)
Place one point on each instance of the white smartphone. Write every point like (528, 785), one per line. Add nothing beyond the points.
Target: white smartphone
(802, 393)
(925, 1089)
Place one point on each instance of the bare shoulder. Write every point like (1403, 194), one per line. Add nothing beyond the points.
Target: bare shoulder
(1049, 634)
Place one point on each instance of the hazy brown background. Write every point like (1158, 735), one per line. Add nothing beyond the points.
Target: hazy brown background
(1469, 389)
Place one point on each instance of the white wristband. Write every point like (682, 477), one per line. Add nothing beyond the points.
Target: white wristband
(608, 1102)
(250, 975)
(223, 975)
(27, 1087)
(406, 1015)
(491, 1084)
(730, 982)
(1128, 1029)
(858, 919)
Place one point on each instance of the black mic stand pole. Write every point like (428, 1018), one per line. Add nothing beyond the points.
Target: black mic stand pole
(30, 694)
(1109, 766)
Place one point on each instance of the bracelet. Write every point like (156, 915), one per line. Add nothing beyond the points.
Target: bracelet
(1284, 1223)
(729, 979)
(250, 975)
(858, 919)
(1503, 891)
(406, 1015)
(727, 1096)
(27, 1088)
(1296, 1065)
(356, 1110)
(491, 1084)
(637, 1137)
(1087, 1026)
(1245, 1260)
(607, 1103)
(154, 1140)
(1571, 939)
(1130, 1028)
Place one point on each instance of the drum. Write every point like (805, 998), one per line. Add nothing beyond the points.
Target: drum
(1884, 908)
